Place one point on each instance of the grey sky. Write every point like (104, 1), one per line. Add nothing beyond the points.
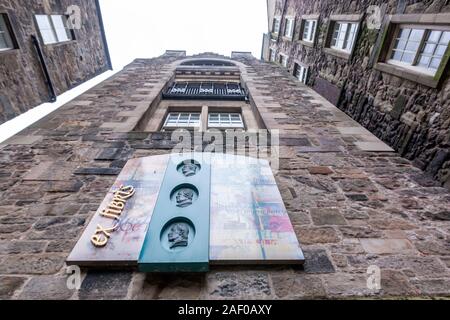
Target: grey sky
(146, 28)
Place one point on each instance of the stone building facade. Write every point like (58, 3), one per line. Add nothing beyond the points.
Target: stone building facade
(354, 203)
(406, 106)
(67, 51)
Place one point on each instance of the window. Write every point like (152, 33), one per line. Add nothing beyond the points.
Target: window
(276, 25)
(182, 120)
(344, 34)
(283, 60)
(6, 41)
(301, 72)
(272, 55)
(54, 28)
(289, 27)
(419, 49)
(309, 30)
(225, 120)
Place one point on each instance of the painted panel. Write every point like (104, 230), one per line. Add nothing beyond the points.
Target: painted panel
(125, 243)
(249, 222)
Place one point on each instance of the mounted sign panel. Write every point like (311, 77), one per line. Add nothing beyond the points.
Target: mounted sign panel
(192, 210)
(178, 235)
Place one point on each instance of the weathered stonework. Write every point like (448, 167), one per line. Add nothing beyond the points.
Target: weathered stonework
(351, 206)
(412, 118)
(22, 81)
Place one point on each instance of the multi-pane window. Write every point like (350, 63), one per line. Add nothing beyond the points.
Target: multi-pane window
(6, 42)
(309, 30)
(289, 27)
(301, 72)
(344, 35)
(420, 49)
(225, 120)
(283, 60)
(182, 120)
(276, 25)
(272, 55)
(53, 28)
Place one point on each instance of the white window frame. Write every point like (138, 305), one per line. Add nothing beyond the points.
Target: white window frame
(302, 76)
(276, 24)
(272, 54)
(284, 60)
(221, 123)
(419, 51)
(346, 38)
(5, 32)
(311, 25)
(189, 124)
(50, 28)
(289, 27)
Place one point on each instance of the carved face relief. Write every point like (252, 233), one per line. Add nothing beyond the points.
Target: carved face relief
(184, 197)
(189, 169)
(178, 235)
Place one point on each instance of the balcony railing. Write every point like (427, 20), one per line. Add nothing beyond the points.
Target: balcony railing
(203, 90)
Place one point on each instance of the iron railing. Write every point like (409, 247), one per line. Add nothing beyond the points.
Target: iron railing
(205, 90)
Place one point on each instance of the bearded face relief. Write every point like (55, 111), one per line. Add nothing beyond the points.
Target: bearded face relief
(184, 197)
(178, 235)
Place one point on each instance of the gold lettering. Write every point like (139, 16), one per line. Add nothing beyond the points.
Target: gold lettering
(107, 231)
(99, 240)
(119, 199)
(113, 211)
(109, 213)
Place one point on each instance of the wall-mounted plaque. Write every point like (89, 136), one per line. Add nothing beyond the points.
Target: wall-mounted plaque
(184, 212)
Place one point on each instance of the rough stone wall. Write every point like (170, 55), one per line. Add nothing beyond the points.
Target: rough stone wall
(22, 82)
(350, 207)
(412, 118)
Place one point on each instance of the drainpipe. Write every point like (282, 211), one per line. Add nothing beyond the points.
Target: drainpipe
(48, 80)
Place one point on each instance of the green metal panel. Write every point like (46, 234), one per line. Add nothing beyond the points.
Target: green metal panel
(178, 236)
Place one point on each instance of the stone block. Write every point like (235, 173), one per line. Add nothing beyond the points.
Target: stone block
(238, 285)
(327, 216)
(289, 285)
(9, 285)
(32, 264)
(105, 285)
(317, 261)
(46, 288)
(98, 171)
(387, 246)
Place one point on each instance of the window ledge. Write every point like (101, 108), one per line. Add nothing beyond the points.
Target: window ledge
(310, 17)
(346, 17)
(337, 53)
(287, 38)
(306, 43)
(58, 44)
(10, 51)
(404, 73)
